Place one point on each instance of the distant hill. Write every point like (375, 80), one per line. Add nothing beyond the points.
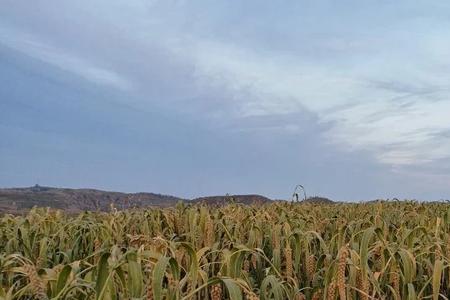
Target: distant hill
(318, 200)
(18, 200)
(221, 200)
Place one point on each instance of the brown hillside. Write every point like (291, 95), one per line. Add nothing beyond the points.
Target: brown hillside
(18, 200)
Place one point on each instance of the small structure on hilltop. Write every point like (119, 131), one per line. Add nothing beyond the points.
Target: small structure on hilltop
(295, 197)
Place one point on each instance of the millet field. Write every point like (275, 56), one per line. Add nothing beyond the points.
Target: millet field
(383, 250)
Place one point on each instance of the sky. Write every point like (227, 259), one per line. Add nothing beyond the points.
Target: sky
(190, 98)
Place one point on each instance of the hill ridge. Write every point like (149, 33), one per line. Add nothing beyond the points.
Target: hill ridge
(74, 200)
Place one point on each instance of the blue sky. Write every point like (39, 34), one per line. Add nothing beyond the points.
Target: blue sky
(191, 98)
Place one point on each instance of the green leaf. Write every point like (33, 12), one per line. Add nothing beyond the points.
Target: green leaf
(135, 278)
(102, 275)
(276, 289)
(437, 275)
(364, 249)
(158, 276)
(62, 279)
(233, 289)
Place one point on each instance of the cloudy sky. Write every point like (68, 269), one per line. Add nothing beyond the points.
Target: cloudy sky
(190, 98)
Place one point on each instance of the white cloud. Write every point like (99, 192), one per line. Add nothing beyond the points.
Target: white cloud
(396, 135)
(397, 121)
(62, 58)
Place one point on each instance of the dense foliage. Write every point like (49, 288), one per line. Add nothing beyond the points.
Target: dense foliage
(398, 250)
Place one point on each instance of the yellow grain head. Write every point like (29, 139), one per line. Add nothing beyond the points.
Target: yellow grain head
(362, 285)
(310, 266)
(342, 263)
(209, 233)
(37, 285)
(288, 261)
(317, 295)
(331, 291)
(216, 292)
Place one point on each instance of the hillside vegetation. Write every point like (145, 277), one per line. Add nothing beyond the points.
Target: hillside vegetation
(383, 250)
(21, 200)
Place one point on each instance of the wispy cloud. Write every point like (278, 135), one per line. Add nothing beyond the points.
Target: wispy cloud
(61, 58)
(366, 112)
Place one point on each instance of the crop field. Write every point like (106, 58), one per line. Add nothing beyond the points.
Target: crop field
(384, 250)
